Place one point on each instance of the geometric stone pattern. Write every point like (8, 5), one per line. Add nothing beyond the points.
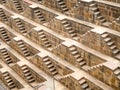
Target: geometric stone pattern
(59, 45)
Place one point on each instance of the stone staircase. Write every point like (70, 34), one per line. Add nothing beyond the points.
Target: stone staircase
(63, 79)
(110, 43)
(3, 16)
(84, 84)
(21, 26)
(4, 35)
(62, 5)
(9, 80)
(6, 56)
(44, 39)
(97, 13)
(73, 50)
(27, 74)
(23, 48)
(69, 29)
(18, 6)
(39, 15)
(48, 63)
(117, 72)
(95, 67)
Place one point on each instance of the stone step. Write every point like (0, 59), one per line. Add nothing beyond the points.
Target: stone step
(37, 11)
(20, 42)
(110, 43)
(116, 51)
(107, 39)
(82, 81)
(22, 27)
(9, 80)
(97, 13)
(50, 66)
(82, 63)
(27, 74)
(71, 31)
(40, 16)
(7, 59)
(117, 72)
(85, 86)
(42, 36)
(77, 56)
(48, 45)
(93, 5)
(67, 25)
(24, 67)
(46, 42)
(102, 20)
(24, 49)
(104, 35)
(5, 74)
(64, 21)
(68, 28)
(118, 77)
(3, 51)
(48, 63)
(6, 56)
(21, 45)
(40, 33)
(73, 35)
(52, 69)
(113, 47)
(46, 59)
(94, 8)
(29, 77)
(61, 2)
(54, 73)
(27, 54)
(25, 71)
(11, 85)
(7, 77)
(100, 17)
(72, 48)
(118, 56)
(31, 80)
(74, 52)
(63, 6)
(79, 59)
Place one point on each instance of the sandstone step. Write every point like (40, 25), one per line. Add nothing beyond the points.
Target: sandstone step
(79, 59)
(110, 43)
(118, 56)
(107, 39)
(74, 52)
(85, 86)
(82, 63)
(77, 56)
(54, 73)
(72, 48)
(25, 71)
(117, 72)
(116, 51)
(93, 5)
(50, 66)
(31, 80)
(48, 62)
(82, 81)
(113, 47)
